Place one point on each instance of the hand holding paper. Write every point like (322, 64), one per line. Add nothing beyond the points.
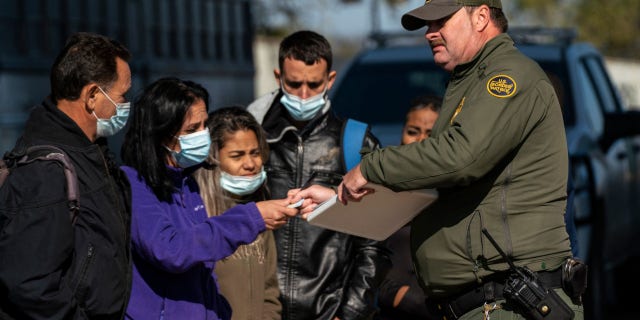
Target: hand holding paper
(297, 204)
(275, 212)
(352, 186)
(311, 196)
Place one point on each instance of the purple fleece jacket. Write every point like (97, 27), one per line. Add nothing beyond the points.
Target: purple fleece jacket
(175, 246)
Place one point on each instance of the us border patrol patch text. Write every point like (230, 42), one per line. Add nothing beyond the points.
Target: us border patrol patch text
(501, 86)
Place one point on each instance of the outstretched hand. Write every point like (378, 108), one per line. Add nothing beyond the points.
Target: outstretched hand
(313, 196)
(351, 188)
(275, 212)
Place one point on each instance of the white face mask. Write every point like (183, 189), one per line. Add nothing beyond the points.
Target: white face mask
(194, 148)
(302, 109)
(242, 185)
(111, 126)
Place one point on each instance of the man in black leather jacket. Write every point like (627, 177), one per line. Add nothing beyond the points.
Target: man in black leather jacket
(322, 274)
(51, 268)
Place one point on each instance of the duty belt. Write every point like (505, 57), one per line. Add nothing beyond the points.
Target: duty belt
(453, 308)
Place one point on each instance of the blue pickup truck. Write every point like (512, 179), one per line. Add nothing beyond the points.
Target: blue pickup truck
(603, 138)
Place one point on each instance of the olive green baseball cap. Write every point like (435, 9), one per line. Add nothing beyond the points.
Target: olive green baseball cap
(438, 9)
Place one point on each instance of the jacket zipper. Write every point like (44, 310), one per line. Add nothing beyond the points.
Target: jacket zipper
(122, 209)
(85, 268)
(300, 164)
(114, 193)
(292, 224)
(504, 213)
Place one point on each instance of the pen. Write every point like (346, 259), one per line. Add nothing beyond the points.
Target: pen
(304, 186)
(309, 181)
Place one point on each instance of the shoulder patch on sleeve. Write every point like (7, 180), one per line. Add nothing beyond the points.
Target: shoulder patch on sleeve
(501, 86)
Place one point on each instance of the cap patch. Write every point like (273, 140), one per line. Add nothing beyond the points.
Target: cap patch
(501, 86)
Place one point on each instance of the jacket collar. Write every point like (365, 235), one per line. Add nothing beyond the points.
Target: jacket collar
(277, 121)
(47, 123)
(478, 63)
(179, 173)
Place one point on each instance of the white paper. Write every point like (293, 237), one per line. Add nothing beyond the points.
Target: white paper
(376, 216)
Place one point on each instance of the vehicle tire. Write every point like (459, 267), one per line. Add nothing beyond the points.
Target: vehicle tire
(594, 299)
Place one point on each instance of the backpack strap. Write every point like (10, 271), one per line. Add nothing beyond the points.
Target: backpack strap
(48, 153)
(352, 138)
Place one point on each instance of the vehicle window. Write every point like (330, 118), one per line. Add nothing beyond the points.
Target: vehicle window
(558, 76)
(587, 88)
(603, 87)
(381, 93)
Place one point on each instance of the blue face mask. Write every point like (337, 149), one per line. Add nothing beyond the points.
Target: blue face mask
(111, 126)
(194, 148)
(241, 185)
(302, 109)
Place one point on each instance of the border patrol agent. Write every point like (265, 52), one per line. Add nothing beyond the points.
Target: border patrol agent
(498, 158)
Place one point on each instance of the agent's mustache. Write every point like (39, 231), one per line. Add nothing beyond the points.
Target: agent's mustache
(437, 42)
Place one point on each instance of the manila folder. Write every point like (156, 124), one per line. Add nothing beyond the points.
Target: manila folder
(376, 216)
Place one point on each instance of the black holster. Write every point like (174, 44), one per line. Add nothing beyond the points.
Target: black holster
(574, 279)
(535, 300)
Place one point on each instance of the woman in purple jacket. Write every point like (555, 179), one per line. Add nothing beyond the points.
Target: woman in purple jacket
(174, 244)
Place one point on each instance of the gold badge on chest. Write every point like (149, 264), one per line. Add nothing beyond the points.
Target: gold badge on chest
(458, 109)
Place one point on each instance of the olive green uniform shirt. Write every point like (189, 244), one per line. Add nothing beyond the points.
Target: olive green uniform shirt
(498, 157)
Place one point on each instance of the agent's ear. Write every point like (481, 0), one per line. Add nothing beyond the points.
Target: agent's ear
(482, 17)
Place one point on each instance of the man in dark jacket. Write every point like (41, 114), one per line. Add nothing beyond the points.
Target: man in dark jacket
(52, 268)
(322, 274)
